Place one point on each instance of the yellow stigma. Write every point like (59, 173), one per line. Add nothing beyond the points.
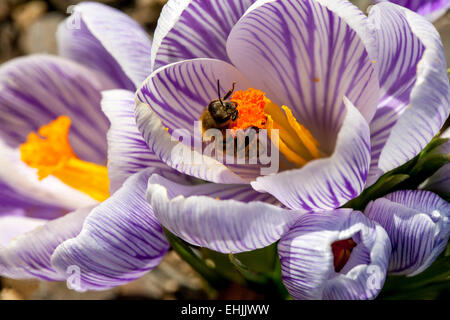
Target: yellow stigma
(294, 141)
(50, 152)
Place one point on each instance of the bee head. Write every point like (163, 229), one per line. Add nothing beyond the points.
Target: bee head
(222, 111)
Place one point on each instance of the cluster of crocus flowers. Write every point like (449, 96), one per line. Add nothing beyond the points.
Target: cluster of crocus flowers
(352, 97)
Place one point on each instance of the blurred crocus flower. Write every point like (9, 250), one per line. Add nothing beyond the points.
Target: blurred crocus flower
(431, 9)
(54, 182)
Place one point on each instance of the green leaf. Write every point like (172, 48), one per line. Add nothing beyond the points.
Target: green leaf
(197, 263)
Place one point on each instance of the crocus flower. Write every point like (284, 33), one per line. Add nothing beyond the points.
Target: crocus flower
(431, 9)
(367, 92)
(54, 184)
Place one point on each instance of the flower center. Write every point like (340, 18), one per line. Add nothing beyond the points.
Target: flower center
(341, 252)
(294, 141)
(50, 152)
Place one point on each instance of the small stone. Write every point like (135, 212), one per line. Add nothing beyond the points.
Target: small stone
(8, 38)
(63, 5)
(10, 294)
(26, 14)
(147, 12)
(4, 10)
(39, 37)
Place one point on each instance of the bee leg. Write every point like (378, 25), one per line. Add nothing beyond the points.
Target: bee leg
(234, 115)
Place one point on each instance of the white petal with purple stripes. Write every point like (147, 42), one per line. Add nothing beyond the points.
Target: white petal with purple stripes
(107, 40)
(415, 89)
(189, 29)
(308, 55)
(37, 89)
(120, 240)
(28, 255)
(128, 153)
(307, 259)
(329, 182)
(418, 224)
(14, 200)
(225, 218)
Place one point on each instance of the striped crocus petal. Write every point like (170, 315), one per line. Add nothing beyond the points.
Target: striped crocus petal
(418, 224)
(415, 88)
(120, 240)
(21, 188)
(329, 182)
(189, 29)
(308, 55)
(308, 261)
(107, 40)
(431, 9)
(39, 88)
(14, 222)
(13, 200)
(168, 109)
(28, 255)
(225, 218)
(128, 153)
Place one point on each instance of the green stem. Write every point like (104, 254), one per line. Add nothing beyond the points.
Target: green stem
(198, 264)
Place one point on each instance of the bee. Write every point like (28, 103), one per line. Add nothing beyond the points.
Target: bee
(220, 112)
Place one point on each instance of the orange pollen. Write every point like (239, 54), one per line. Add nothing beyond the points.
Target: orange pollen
(49, 152)
(250, 107)
(341, 252)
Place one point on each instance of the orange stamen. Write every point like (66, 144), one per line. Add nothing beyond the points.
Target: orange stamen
(250, 107)
(50, 153)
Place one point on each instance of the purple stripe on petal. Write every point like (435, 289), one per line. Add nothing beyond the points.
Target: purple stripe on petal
(10, 199)
(195, 29)
(329, 182)
(120, 241)
(416, 94)
(108, 40)
(37, 89)
(225, 218)
(418, 224)
(308, 55)
(80, 45)
(28, 256)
